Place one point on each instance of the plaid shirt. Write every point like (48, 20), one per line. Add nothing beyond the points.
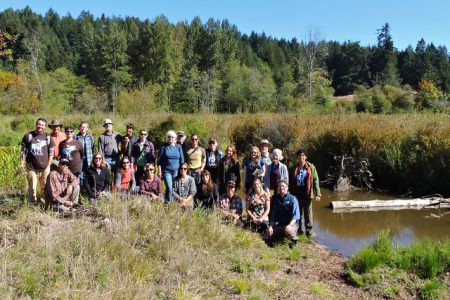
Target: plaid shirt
(235, 204)
(87, 142)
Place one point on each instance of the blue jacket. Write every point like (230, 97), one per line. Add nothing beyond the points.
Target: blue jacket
(284, 209)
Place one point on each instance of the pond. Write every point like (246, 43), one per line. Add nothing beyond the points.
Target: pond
(347, 232)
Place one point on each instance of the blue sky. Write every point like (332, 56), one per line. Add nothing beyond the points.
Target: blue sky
(339, 20)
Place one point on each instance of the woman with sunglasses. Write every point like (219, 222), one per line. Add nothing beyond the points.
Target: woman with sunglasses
(150, 184)
(142, 153)
(229, 170)
(184, 188)
(207, 192)
(125, 180)
(254, 168)
(72, 150)
(96, 181)
(170, 157)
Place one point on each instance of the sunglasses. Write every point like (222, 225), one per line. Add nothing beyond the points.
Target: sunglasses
(97, 158)
(69, 131)
(150, 170)
(144, 134)
(184, 169)
(194, 139)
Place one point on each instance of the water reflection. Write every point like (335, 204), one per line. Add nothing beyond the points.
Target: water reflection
(348, 232)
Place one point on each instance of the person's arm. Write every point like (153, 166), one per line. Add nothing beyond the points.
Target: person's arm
(238, 176)
(267, 208)
(203, 160)
(192, 189)
(182, 158)
(133, 181)
(101, 146)
(295, 212)
(118, 181)
(151, 158)
(284, 173)
(175, 190)
(51, 152)
(249, 212)
(87, 184)
(245, 180)
(142, 188)
(316, 185)
(23, 152)
(159, 188)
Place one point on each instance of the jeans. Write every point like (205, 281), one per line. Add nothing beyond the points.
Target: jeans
(305, 207)
(169, 178)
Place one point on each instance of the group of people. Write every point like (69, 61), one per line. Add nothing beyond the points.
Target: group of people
(65, 164)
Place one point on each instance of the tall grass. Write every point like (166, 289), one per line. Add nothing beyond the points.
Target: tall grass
(426, 259)
(132, 251)
(11, 179)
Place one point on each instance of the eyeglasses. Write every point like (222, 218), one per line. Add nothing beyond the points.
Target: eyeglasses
(69, 131)
(97, 158)
(183, 169)
(150, 170)
(144, 134)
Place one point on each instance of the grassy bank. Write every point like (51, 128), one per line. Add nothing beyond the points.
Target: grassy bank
(127, 250)
(423, 267)
(407, 153)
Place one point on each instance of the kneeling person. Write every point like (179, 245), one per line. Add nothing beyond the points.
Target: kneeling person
(285, 216)
(62, 188)
(231, 204)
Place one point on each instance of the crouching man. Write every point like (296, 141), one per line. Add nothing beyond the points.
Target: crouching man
(62, 188)
(284, 215)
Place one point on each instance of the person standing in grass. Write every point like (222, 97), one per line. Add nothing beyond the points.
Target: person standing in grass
(127, 141)
(229, 169)
(196, 159)
(36, 156)
(57, 136)
(96, 183)
(284, 215)
(170, 157)
(142, 153)
(254, 168)
(181, 140)
(264, 148)
(230, 204)
(184, 188)
(305, 186)
(108, 144)
(62, 188)
(87, 144)
(150, 185)
(71, 149)
(213, 157)
(275, 171)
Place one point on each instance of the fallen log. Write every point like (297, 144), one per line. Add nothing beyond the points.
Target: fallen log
(390, 204)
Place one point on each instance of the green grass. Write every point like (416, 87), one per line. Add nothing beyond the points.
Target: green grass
(320, 289)
(433, 290)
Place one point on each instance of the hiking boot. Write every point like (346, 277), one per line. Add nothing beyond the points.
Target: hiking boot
(310, 235)
(292, 243)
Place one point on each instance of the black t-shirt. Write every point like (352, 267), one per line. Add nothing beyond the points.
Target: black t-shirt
(38, 148)
(73, 151)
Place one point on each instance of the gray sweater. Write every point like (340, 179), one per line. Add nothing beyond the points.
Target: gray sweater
(109, 144)
(182, 188)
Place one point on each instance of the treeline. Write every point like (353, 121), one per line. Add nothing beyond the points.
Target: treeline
(53, 64)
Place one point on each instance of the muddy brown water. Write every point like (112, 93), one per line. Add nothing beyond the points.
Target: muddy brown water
(347, 232)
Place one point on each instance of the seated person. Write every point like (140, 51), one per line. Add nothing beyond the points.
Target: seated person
(231, 204)
(96, 180)
(258, 207)
(184, 188)
(124, 175)
(207, 192)
(62, 188)
(284, 215)
(150, 184)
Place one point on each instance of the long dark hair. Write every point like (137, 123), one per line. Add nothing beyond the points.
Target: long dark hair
(207, 187)
(179, 169)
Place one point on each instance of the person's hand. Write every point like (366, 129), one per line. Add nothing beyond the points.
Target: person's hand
(270, 230)
(68, 203)
(317, 198)
(101, 194)
(200, 171)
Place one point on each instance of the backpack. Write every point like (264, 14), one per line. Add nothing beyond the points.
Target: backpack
(30, 138)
